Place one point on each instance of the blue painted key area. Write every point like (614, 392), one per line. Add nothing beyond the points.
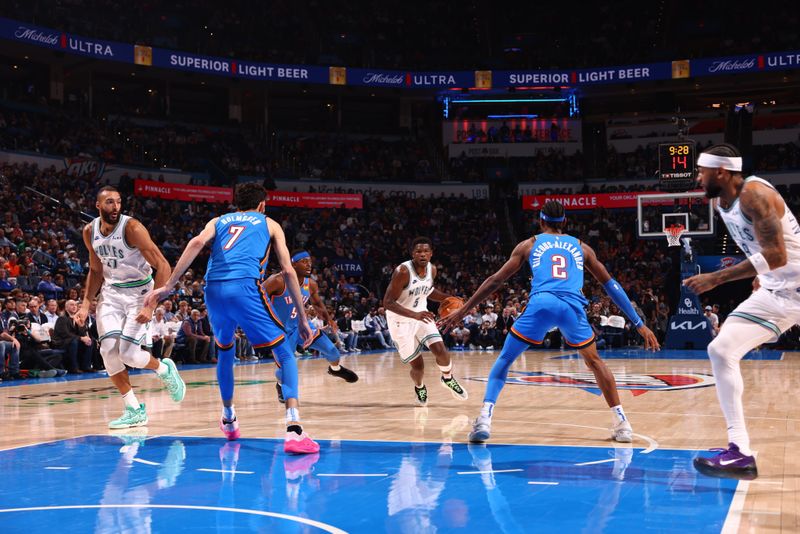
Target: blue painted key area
(179, 484)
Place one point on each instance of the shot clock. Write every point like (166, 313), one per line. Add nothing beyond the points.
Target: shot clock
(676, 166)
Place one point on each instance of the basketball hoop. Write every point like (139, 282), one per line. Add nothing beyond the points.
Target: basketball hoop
(673, 234)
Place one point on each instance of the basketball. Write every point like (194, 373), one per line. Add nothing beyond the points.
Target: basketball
(449, 305)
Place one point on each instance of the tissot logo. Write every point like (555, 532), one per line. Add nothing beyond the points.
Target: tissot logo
(636, 384)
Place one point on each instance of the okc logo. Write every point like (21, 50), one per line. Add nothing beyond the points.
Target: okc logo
(636, 384)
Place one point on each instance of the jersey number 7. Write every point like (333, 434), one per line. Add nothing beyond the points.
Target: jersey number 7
(236, 231)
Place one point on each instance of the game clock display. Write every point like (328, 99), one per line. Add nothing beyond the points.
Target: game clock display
(676, 165)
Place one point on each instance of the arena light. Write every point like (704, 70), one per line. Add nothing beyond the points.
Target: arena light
(507, 100)
(512, 116)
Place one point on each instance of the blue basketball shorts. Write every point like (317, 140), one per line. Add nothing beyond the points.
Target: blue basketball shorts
(548, 310)
(242, 302)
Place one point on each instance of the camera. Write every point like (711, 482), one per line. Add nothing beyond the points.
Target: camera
(19, 327)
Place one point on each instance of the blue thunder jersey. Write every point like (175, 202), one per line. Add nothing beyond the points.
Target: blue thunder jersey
(285, 309)
(241, 247)
(556, 262)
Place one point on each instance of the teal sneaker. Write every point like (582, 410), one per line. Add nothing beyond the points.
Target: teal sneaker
(130, 418)
(173, 381)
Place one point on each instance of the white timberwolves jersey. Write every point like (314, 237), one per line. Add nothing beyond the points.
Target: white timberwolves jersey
(742, 231)
(415, 295)
(123, 266)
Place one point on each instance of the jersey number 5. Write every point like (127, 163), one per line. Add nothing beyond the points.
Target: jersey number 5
(559, 267)
(236, 231)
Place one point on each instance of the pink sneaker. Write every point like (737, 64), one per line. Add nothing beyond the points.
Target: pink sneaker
(299, 444)
(231, 430)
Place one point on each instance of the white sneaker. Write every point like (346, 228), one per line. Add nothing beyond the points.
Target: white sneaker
(622, 432)
(481, 430)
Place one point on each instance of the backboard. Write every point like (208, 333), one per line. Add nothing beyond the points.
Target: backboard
(657, 211)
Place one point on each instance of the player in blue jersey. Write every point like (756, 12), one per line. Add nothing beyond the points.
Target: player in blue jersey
(557, 262)
(240, 244)
(286, 311)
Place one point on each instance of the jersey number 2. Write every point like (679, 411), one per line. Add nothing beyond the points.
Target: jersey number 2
(236, 231)
(559, 267)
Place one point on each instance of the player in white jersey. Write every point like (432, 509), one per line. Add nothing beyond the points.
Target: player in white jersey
(765, 229)
(121, 260)
(411, 325)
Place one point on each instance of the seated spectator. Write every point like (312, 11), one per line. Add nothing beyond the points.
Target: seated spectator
(485, 339)
(74, 341)
(52, 315)
(713, 319)
(9, 351)
(505, 322)
(460, 335)
(346, 333)
(372, 328)
(191, 335)
(206, 325)
(163, 335)
(6, 284)
(38, 359)
(48, 288)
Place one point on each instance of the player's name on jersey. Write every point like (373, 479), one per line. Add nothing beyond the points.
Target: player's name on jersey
(239, 217)
(541, 248)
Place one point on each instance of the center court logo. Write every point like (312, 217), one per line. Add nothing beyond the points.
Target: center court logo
(636, 384)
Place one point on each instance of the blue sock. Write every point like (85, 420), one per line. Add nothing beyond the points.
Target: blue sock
(225, 372)
(278, 374)
(512, 348)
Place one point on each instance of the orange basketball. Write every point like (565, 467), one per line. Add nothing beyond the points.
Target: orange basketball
(449, 305)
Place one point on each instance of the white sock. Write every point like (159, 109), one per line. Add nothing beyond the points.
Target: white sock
(292, 414)
(162, 369)
(445, 369)
(618, 414)
(335, 367)
(487, 410)
(228, 413)
(130, 400)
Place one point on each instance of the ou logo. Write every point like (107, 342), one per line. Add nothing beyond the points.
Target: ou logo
(687, 302)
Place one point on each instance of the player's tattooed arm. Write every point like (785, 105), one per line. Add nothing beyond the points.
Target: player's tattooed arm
(762, 205)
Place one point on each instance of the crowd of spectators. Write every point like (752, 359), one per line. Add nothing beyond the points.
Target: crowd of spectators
(339, 157)
(546, 165)
(427, 35)
(43, 264)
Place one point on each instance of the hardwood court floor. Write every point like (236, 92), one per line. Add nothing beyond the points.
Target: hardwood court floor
(550, 401)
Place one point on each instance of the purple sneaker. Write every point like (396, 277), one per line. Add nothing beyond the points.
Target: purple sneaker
(728, 463)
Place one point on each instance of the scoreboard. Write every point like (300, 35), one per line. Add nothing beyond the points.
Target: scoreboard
(676, 166)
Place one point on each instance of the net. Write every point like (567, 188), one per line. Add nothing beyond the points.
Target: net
(673, 234)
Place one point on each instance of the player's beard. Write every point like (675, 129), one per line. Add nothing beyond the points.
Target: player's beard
(713, 190)
(109, 217)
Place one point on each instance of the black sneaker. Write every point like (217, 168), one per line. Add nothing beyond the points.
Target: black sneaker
(344, 373)
(280, 393)
(455, 388)
(422, 395)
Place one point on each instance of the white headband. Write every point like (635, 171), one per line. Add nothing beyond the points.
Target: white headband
(711, 160)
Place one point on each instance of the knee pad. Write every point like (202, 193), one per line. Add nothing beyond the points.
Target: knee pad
(109, 351)
(132, 354)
